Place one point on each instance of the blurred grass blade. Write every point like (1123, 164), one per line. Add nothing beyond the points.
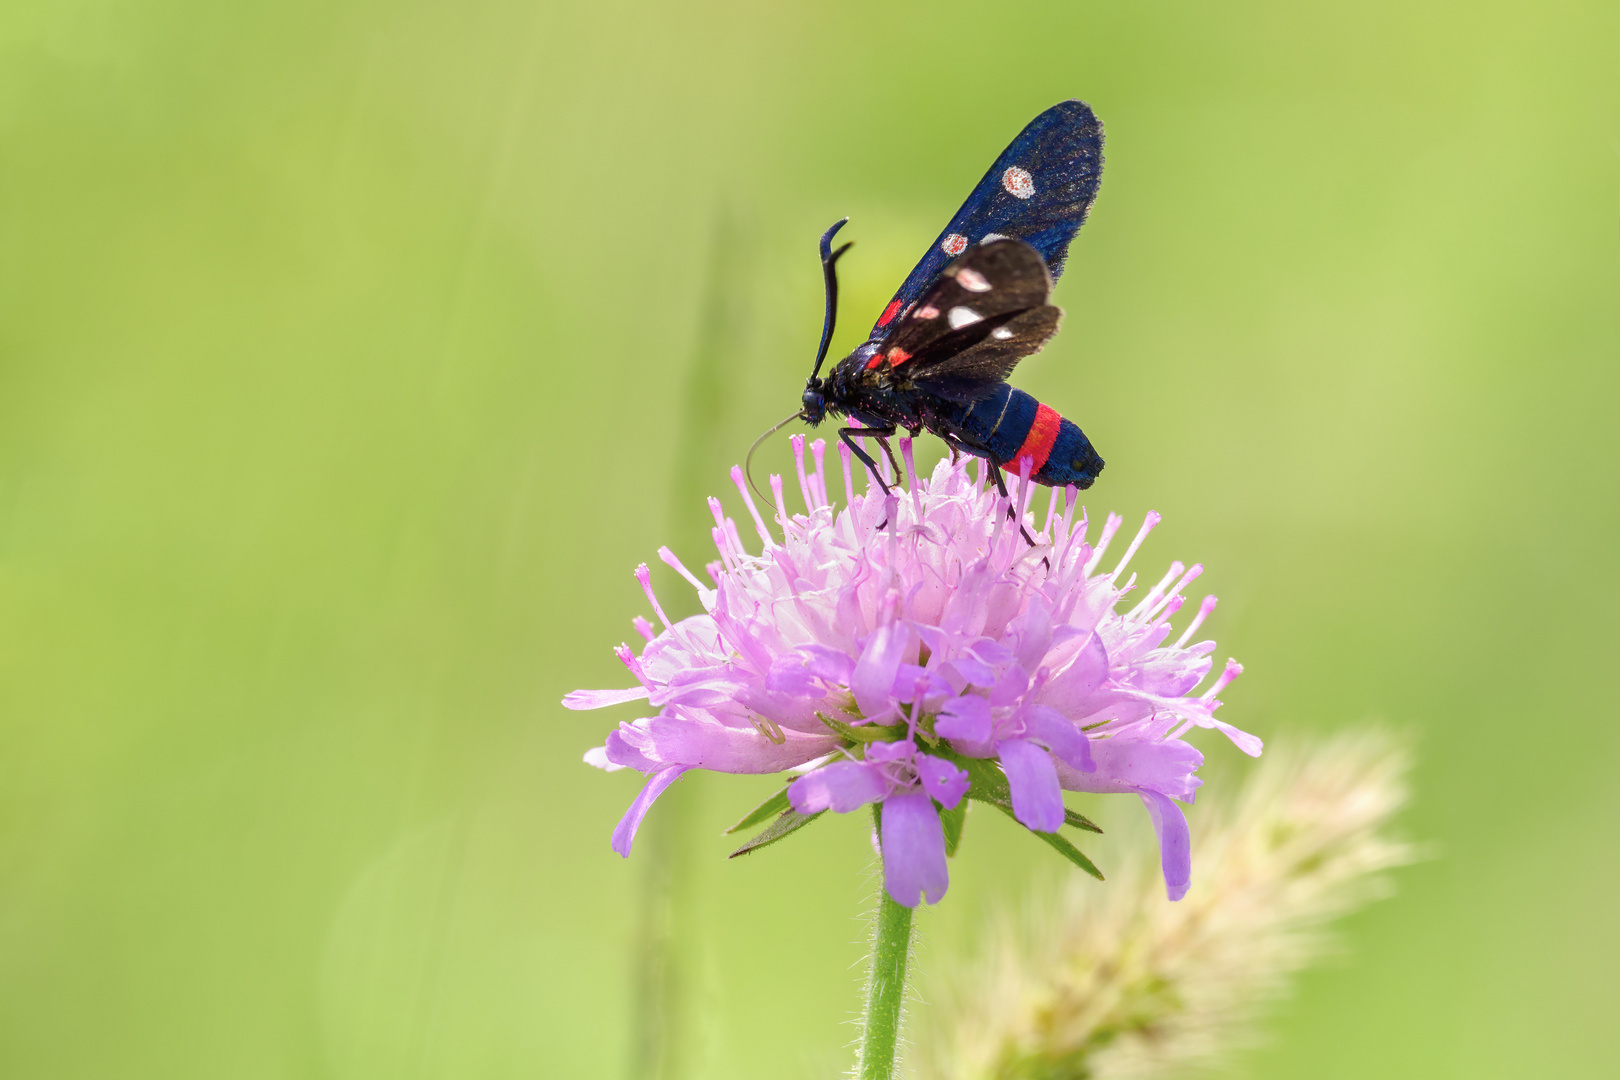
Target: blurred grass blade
(670, 928)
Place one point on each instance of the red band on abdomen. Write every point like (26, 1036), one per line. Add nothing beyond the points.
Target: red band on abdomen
(1038, 443)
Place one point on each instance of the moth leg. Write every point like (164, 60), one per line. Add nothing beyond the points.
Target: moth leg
(887, 449)
(1001, 487)
(848, 434)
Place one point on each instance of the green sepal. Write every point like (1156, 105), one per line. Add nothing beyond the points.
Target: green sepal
(952, 821)
(1062, 846)
(773, 805)
(867, 733)
(990, 785)
(787, 823)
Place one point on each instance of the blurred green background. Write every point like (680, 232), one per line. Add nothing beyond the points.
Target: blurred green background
(343, 353)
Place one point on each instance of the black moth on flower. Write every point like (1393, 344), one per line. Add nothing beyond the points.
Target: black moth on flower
(974, 305)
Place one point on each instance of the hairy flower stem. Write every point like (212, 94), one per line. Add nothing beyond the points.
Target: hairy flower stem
(885, 989)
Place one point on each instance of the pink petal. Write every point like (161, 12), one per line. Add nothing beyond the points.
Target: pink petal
(966, 718)
(625, 834)
(1060, 735)
(1036, 797)
(1125, 765)
(873, 678)
(1175, 843)
(842, 786)
(913, 850)
(1249, 744)
(942, 780)
(1078, 680)
(715, 746)
(600, 699)
(623, 754)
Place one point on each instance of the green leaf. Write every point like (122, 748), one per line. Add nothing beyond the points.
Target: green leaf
(953, 821)
(866, 733)
(788, 823)
(1080, 821)
(990, 785)
(1072, 853)
(773, 805)
(1063, 847)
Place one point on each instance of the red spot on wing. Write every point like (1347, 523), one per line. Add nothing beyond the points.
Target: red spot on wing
(895, 356)
(1038, 443)
(889, 313)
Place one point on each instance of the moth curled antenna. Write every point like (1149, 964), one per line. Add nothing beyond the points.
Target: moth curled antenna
(829, 274)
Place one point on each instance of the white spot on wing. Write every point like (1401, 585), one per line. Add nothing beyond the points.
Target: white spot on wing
(1001, 333)
(971, 280)
(1018, 182)
(928, 311)
(959, 317)
(989, 236)
(954, 244)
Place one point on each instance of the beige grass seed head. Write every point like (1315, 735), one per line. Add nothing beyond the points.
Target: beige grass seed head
(1113, 981)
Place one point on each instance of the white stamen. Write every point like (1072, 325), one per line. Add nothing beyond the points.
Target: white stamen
(1204, 610)
(644, 576)
(1153, 594)
(1175, 594)
(748, 500)
(1232, 671)
(675, 564)
(782, 518)
(818, 450)
(797, 441)
(1148, 523)
(844, 458)
(1111, 526)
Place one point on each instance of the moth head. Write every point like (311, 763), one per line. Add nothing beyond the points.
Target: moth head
(815, 402)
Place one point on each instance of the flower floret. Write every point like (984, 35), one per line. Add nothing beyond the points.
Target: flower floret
(880, 646)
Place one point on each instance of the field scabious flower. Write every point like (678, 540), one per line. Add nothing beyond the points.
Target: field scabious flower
(895, 650)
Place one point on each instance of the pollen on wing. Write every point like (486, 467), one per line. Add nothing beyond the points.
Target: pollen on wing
(962, 316)
(971, 280)
(1018, 182)
(955, 243)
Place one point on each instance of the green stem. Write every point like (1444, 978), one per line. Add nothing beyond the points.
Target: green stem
(885, 989)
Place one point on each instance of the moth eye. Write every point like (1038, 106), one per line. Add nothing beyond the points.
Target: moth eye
(1001, 333)
(971, 280)
(962, 316)
(928, 311)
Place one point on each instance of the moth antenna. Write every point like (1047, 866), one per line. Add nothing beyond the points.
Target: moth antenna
(748, 462)
(829, 274)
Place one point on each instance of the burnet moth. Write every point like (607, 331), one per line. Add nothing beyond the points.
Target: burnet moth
(974, 305)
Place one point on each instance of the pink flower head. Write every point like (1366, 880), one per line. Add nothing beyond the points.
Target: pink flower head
(881, 648)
